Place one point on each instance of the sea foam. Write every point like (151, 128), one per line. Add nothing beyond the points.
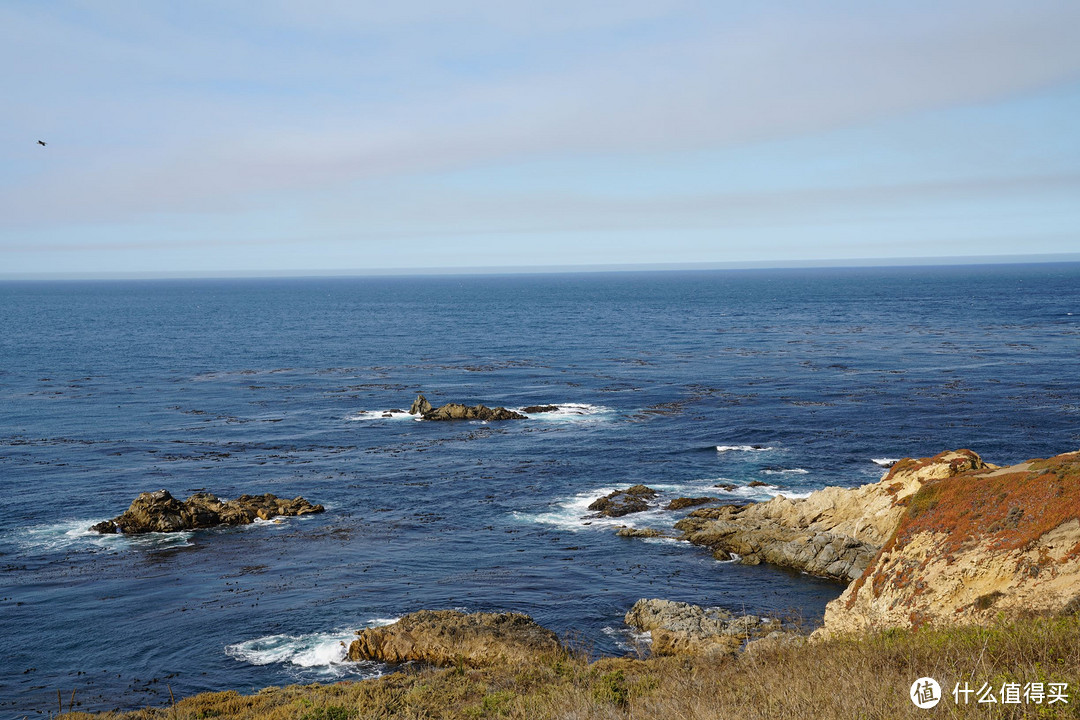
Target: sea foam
(325, 653)
(742, 448)
(571, 412)
(382, 415)
(77, 533)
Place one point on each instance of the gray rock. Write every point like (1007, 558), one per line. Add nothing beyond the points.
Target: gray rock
(682, 628)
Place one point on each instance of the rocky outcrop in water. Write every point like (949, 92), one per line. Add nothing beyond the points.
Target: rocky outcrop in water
(623, 502)
(679, 628)
(971, 545)
(161, 512)
(681, 503)
(835, 532)
(457, 411)
(420, 406)
(449, 637)
(538, 409)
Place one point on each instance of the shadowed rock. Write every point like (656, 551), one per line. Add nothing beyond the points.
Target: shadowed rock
(685, 502)
(623, 502)
(449, 637)
(420, 406)
(537, 409)
(161, 512)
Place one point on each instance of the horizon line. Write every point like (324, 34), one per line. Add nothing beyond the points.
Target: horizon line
(452, 271)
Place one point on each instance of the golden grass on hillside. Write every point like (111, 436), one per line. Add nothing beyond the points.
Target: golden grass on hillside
(848, 678)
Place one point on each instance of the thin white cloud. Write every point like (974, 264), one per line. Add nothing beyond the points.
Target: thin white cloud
(204, 122)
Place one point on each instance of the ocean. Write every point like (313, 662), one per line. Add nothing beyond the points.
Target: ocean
(679, 380)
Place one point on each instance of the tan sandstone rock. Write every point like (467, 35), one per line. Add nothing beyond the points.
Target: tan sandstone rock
(973, 545)
(835, 532)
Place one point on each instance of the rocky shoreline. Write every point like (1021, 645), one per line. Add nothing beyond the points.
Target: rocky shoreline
(946, 541)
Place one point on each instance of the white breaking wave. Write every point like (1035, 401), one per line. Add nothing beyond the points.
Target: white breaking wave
(782, 471)
(628, 640)
(742, 448)
(324, 652)
(761, 492)
(885, 462)
(574, 513)
(383, 415)
(569, 412)
(314, 650)
(74, 533)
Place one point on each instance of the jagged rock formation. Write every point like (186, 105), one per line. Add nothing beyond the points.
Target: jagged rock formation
(623, 502)
(457, 411)
(970, 545)
(679, 628)
(161, 512)
(537, 409)
(449, 637)
(420, 406)
(835, 532)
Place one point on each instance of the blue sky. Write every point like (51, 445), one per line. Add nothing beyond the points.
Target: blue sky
(284, 137)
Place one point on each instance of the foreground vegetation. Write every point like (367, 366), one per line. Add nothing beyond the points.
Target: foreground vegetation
(867, 677)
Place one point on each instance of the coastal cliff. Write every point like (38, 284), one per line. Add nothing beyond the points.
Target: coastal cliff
(972, 546)
(835, 532)
(944, 540)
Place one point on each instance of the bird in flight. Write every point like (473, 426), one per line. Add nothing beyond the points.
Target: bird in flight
(42, 143)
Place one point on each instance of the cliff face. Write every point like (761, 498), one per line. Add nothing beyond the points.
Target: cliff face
(835, 532)
(971, 545)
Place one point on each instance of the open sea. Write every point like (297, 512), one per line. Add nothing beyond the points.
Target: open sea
(679, 380)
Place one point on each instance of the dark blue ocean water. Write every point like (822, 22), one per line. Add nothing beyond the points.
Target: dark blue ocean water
(108, 389)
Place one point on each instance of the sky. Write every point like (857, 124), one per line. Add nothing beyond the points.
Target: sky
(333, 136)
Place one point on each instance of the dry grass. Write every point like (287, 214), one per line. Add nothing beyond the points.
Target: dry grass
(849, 678)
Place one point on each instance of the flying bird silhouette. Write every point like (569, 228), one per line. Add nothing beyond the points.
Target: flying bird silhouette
(42, 143)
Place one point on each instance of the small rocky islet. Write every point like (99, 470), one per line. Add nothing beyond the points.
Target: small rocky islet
(456, 411)
(160, 512)
(424, 410)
